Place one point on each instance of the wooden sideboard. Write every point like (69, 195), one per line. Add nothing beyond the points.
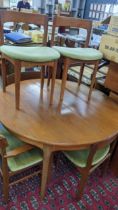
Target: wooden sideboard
(111, 81)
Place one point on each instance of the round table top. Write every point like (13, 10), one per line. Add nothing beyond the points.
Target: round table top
(79, 122)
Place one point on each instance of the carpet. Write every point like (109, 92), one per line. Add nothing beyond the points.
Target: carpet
(101, 193)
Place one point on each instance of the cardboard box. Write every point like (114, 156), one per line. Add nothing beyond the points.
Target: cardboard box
(113, 26)
(109, 47)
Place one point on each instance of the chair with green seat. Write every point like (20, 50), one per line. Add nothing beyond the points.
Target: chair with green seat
(16, 156)
(76, 56)
(89, 158)
(27, 56)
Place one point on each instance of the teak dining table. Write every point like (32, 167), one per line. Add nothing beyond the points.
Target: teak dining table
(77, 125)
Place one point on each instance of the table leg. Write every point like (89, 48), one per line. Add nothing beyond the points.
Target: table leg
(46, 171)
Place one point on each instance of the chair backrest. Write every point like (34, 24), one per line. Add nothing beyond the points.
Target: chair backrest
(29, 18)
(111, 140)
(107, 141)
(67, 22)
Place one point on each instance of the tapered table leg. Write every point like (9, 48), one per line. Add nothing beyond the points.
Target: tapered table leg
(46, 171)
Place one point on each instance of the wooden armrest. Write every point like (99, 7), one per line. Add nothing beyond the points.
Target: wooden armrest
(19, 151)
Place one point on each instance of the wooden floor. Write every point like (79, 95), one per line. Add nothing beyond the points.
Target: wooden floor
(79, 122)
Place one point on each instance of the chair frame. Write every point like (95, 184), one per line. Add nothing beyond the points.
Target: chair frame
(112, 140)
(6, 174)
(13, 16)
(78, 23)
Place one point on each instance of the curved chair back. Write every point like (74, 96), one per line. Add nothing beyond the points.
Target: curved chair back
(67, 22)
(29, 18)
(100, 145)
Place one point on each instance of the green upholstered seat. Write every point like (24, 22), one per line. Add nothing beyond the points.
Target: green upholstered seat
(79, 158)
(23, 160)
(31, 54)
(79, 53)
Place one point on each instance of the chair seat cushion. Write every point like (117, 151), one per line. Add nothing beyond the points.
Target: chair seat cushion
(79, 158)
(31, 54)
(79, 53)
(23, 160)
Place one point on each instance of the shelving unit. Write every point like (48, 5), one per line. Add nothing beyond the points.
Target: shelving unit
(44, 6)
(48, 7)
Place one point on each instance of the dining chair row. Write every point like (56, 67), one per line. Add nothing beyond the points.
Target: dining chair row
(45, 56)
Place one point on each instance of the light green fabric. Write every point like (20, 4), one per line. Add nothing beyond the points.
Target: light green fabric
(79, 53)
(79, 158)
(33, 54)
(23, 160)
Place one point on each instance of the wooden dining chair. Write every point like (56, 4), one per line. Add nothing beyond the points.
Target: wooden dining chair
(31, 56)
(79, 55)
(16, 157)
(89, 158)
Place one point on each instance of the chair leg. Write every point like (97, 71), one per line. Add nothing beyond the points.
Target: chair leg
(49, 77)
(64, 78)
(82, 185)
(17, 71)
(42, 76)
(81, 73)
(93, 79)
(54, 69)
(5, 179)
(4, 75)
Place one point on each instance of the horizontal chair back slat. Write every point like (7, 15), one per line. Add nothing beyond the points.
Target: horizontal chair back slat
(68, 22)
(112, 140)
(29, 18)
(72, 22)
(106, 142)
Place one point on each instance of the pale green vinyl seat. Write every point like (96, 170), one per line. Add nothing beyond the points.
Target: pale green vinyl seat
(24, 160)
(79, 53)
(79, 158)
(31, 54)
